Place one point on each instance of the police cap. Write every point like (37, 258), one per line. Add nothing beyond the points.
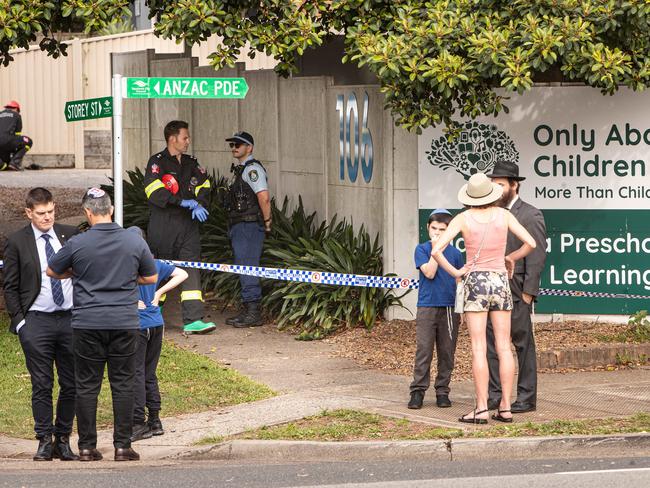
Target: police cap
(242, 136)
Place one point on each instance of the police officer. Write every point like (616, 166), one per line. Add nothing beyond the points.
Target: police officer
(178, 191)
(13, 145)
(249, 217)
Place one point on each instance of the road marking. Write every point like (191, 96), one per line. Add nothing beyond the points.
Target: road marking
(605, 471)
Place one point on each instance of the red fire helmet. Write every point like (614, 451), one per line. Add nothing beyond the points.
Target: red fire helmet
(13, 104)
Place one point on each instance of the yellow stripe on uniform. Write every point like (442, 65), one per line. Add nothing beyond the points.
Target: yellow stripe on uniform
(162, 298)
(191, 295)
(3, 166)
(153, 186)
(205, 184)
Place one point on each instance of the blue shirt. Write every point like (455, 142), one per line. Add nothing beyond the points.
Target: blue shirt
(151, 316)
(106, 262)
(441, 290)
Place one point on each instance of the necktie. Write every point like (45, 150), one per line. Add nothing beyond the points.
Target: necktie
(57, 289)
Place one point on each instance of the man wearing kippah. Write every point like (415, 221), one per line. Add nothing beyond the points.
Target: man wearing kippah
(106, 264)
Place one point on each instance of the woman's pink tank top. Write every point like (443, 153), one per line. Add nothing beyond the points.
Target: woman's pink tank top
(493, 252)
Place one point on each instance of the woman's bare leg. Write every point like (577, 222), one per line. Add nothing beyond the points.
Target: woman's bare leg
(476, 323)
(501, 326)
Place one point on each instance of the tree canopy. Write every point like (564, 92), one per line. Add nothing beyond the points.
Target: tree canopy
(23, 22)
(435, 61)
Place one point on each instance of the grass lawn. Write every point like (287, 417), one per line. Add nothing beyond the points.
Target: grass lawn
(352, 425)
(189, 382)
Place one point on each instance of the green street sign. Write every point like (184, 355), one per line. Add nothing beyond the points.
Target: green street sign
(185, 88)
(92, 108)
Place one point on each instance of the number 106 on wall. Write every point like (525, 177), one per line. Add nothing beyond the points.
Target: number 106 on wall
(350, 127)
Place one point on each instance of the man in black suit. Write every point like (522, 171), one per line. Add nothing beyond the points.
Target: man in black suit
(525, 287)
(40, 311)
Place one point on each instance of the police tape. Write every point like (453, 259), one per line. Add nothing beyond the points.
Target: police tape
(343, 279)
(366, 281)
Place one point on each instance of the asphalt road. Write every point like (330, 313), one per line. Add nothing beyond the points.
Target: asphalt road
(575, 473)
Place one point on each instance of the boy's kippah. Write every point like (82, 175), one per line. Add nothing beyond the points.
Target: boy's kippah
(440, 211)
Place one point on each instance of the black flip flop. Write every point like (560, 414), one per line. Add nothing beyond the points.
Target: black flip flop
(500, 418)
(474, 420)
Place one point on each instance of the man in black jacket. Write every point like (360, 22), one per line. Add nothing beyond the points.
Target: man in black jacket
(525, 287)
(178, 191)
(13, 144)
(40, 311)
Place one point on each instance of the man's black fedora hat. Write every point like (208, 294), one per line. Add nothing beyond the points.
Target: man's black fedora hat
(506, 169)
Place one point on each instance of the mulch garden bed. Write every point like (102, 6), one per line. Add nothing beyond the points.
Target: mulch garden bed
(390, 346)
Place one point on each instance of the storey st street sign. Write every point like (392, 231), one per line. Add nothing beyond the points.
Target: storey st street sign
(91, 108)
(225, 88)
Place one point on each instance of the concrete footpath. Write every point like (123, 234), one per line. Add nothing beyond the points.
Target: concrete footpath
(309, 379)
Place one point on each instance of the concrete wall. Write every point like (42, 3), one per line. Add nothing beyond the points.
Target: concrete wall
(296, 123)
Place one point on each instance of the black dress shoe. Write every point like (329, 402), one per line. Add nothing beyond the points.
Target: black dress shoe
(417, 397)
(44, 451)
(521, 407)
(126, 454)
(90, 455)
(443, 401)
(62, 449)
(493, 404)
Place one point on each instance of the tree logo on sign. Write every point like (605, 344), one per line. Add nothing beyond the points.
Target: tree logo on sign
(475, 150)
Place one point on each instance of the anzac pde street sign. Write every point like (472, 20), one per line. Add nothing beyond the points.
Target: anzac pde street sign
(184, 88)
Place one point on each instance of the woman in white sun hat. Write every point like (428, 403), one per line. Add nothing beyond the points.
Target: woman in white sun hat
(485, 227)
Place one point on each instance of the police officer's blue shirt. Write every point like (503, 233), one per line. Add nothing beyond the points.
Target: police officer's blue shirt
(151, 316)
(255, 176)
(106, 262)
(441, 290)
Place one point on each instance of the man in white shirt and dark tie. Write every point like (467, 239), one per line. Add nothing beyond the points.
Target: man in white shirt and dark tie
(40, 310)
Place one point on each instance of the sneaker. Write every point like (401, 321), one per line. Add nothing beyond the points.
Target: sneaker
(442, 401)
(156, 428)
(417, 397)
(141, 431)
(199, 327)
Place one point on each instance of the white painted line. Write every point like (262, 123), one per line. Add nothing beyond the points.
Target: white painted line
(605, 471)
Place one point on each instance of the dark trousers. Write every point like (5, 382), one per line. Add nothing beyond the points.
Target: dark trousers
(521, 331)
(435, 326)
(172, 234)
(247, 240)
(146, 381)
(13, 149)
(46, 339)
(93, 349)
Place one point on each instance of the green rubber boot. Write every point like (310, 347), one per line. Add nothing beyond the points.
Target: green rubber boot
(199, 327)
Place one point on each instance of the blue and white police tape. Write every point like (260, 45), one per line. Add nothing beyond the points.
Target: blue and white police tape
(305, 276)
(344, 279)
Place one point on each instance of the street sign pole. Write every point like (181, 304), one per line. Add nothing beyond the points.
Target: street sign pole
(117, 149)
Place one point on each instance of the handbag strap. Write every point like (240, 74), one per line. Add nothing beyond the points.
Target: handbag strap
(478, 252)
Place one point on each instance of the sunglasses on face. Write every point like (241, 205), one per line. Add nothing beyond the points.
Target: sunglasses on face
(236, 144)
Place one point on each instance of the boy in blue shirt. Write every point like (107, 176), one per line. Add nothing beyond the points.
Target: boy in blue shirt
(436, 322)
(149, 346)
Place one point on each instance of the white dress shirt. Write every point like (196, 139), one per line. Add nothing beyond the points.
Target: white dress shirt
(44, 301)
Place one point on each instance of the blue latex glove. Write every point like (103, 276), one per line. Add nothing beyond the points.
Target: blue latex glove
(191, 204)
(199, 213)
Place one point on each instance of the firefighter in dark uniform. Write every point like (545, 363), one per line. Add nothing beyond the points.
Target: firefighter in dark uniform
(249, 216)
(13, 145)
(178, 190)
